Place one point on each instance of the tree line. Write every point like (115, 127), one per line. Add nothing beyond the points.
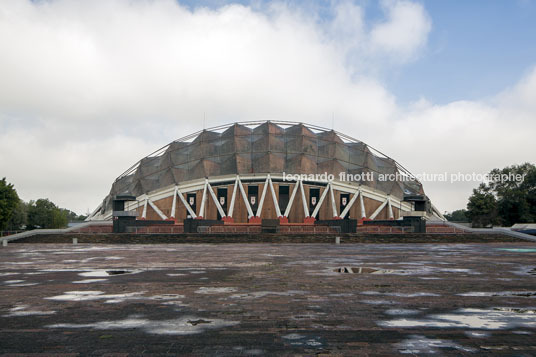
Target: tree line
(15, 214)
(502, 202)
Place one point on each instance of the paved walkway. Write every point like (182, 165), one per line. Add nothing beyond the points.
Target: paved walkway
(266, 299)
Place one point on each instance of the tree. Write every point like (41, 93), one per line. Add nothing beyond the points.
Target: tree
(45, 214)
(19, 217)
(482, 207)
(72, 216)
(459, 215)
(505, 201)
(8, 201)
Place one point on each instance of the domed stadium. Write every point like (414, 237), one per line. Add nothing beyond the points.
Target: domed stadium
(248, 171)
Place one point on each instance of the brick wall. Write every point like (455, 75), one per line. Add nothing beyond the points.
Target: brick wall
(290, 228)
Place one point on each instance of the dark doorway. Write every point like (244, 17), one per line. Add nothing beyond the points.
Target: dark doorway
(222, 199)
(191, 198)
(345, 201)
(283, 198)
(314, 197)
(253, 198)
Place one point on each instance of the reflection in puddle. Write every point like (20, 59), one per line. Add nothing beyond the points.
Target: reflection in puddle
(89, 295)
(89, 281)
(519, 250)
(399, 294)
(500, 293)
(395, 312)
(22, 310)
(421, 344)
(209, 290)
(103, 273)
(379, 302)
(477, 334)
(488, 319)
(181, 326)
(260, 294)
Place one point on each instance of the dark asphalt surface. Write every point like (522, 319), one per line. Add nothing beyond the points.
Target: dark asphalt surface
(268, 299)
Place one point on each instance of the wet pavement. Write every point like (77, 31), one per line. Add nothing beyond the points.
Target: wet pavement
(268, 299)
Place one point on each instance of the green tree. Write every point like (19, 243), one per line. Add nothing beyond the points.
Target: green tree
(45, 214)
(8, 201)
(72, 216)
(482, 207)
(459, 215)
(507, 201)
(19, 217)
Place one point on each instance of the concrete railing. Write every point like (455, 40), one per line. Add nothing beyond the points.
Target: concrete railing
(55, 231)
(496, 230)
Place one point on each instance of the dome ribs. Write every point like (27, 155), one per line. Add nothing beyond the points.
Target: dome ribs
(261, 147)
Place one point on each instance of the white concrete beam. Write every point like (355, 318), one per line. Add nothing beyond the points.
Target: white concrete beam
(245, 197)
(203, 199)
(276, 204)
(319, 203)
(173, 208)
(332, 197)
(215, 199)
(291, 201)
(351, 203)
(144, 213)
(261, 202)
(304, 200)
(186, 204)
(233, 198)
(157, 210)
(379, 209)
(362, 206)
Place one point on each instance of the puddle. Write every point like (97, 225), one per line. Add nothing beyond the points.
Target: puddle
(22, 284)
(379, 302)
(485, 319)
(519, 250)
(301, 340)
(13, 281)
(418, 344)
(361, 270)
(521, 332)
(89, 281)
(103, 273)
(525, 270)
(205, 290)
(398, 312)
(399, 294)
(500, 293)
(369, 270)
(477, 334)
(89, 295)
(181, 326)
(21, 310)
(117, 272)
(167, 297)
(260, 294)
(293, 336)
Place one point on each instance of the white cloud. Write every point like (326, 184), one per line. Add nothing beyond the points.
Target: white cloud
(467, 136)
(88, 88)
(404, 32)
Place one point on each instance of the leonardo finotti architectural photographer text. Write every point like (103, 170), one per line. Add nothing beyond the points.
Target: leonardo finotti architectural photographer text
(423, 177)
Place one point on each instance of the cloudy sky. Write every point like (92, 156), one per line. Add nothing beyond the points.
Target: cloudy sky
(87, 88)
